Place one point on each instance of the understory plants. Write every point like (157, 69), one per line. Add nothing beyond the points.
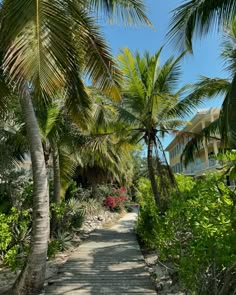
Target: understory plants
(197, 232)
(15, 230)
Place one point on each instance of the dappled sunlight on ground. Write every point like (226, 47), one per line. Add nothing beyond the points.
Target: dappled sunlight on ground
(109, 262)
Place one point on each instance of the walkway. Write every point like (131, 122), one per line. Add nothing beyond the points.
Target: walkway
(109, 262)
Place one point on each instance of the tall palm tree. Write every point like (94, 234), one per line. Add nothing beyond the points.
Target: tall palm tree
(45, 45)
(152, 104)
(200, 18)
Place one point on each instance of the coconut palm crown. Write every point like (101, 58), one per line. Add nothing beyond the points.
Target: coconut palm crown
(153, 104)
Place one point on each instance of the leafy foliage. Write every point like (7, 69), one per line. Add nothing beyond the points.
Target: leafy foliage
(14, 237)
(199, 226)
(148, 213)
(69, 214)
(199, 17)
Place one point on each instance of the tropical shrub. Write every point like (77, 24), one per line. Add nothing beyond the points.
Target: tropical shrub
(148, 213)
(60, 243)
(69, 214)
(104, 190)
(117, 201)
(197, 232)
(91, 207)
(14, 237)
(72, 191)
(15, 191)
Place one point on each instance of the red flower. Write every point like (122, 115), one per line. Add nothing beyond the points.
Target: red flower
(122, 190)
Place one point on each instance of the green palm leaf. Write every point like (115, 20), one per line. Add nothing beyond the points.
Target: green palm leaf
(128, 11)
(229, 47)
(199, 17)
(229, 114)
(208, 133)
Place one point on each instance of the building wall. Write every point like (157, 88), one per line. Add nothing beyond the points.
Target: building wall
(204, 160)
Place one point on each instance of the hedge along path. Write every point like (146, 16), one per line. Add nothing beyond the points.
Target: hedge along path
(108, 262)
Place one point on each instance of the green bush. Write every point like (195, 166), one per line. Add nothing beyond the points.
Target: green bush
(15, 191)
(5, 233)
(148, 214)
(197, 232)
(69, 214)
(72, 191)
(53, 248)
(14, 237)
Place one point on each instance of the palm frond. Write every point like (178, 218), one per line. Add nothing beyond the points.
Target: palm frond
(27, 32)
(48, 119)
(128, 11)
(68, 163)
(205, 89)
(13, 142)
(171, 125)
(229, 114)
(98, 63)
(126, 116)
(229, 47)
(192, 148)
(133, 84)
(199, 17)
(168, 75)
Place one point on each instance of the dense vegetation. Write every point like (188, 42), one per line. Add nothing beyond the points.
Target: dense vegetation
(78, 205)
(69, 150)
(197, 232)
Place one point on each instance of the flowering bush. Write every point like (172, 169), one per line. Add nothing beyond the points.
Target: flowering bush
(116, 202)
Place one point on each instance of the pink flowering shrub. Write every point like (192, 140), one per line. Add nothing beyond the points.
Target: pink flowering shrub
(116, 202)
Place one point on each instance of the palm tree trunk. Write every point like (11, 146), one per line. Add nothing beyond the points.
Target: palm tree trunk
(31, 278)
(56, 186)
(169, 170)
(56, 176)
(151, 172)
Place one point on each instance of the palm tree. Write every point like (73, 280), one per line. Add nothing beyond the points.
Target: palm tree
(106, 150)
(58, 146)
(45, 45)
(211, 87)
(152, 105)
(201, 17)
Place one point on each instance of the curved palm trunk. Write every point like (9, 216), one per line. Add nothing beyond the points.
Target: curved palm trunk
(151, 173)
(56, 186)
(31, 279)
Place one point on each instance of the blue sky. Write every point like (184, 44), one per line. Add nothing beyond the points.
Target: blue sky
(205, 60)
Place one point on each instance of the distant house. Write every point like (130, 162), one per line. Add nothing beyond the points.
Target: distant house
(204, 162)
